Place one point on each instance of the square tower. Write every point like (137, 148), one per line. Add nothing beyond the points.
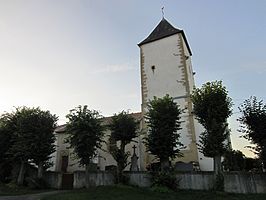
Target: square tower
(165, 61)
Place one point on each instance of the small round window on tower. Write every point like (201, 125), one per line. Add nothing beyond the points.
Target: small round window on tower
(153, 68)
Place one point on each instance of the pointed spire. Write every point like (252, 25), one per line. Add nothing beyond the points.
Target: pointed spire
(162, 12)
(162, 30)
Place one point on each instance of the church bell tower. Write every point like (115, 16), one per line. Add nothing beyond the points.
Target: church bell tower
(165, 63)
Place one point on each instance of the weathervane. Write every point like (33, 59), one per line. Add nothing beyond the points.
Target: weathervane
(162, 12)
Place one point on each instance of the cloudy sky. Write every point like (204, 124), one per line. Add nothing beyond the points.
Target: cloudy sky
(58, 54)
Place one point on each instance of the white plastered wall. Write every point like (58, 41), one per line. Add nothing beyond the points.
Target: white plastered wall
(168, 77)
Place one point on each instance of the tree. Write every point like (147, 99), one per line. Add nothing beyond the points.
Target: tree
(44, 138)
(5, 138)
(5, 143)
(252, 164)
(253, 124)
(234, 160)
(32, 137)
(123, 128)
(212, 107)
(85, 134)
(163, 121)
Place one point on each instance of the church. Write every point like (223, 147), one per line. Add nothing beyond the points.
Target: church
(166, 68)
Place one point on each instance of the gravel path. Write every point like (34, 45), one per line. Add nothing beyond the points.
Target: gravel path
(30, 196)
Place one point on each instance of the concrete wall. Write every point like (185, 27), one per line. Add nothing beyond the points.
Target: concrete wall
(95, 179)
(238, 182)
(196, 181)
(234, 182)
(141, 179)
(53, 179)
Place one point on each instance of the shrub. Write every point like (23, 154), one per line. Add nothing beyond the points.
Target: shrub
(162, 180)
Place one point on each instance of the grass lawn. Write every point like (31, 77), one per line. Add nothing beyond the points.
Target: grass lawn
(132, 193)
(15, 190)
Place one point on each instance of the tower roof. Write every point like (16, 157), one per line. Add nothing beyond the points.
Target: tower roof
(162, 30)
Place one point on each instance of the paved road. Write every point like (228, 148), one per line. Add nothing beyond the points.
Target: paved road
(30, 196)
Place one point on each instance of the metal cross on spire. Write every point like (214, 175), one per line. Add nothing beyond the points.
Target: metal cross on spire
(162, 12)
(134, 149)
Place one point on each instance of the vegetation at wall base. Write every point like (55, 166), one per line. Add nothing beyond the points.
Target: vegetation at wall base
(164, 181)
(132, 193)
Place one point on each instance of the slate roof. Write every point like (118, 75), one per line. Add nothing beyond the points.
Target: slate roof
(162, 30)
(105, 121)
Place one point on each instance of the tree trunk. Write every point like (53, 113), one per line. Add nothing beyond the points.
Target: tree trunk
(40, 170)
(217, 164)
(121, 164)
(219, 177)
(21, 173)
(122, 146)
(87, 175)
(119, 173)
(165, 164)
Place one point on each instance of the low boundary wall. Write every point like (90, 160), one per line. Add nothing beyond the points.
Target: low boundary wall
(53, 179)
(196, 180)
(237, 182)
(234, 182)
(95, 179)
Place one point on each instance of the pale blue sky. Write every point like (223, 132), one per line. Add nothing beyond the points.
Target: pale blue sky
(58, 54)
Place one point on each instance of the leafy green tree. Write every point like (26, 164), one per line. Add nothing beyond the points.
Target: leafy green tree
(252, 164)
(43, 135)
(253, 124)
(212, 107)
(85, 134)
(32, 137)
(123, 129)
(5, 139)
(234, 160)
(163, 121)
(5, 143)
